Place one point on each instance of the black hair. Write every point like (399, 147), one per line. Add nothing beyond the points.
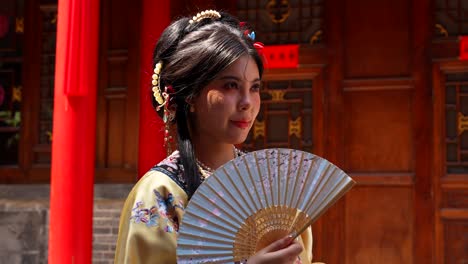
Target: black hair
(193, 54)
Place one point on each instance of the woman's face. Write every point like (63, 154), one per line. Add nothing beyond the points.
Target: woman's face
(226, 108)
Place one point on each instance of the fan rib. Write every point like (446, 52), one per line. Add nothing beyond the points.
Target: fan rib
(302, 188)
(261, 179)
(221, 218)
(197, 227)
(238, 191)
(233, 198)
(245, 187)
(288, 172)
(225, 202)
(193, 237)
(323, 181)
(270, 181)
(297, 176)
(208, 221)
(229, 214)
(333, 194)
(252, 181)
(278, 178)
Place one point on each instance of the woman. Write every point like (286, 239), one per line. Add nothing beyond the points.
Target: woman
(206, 81)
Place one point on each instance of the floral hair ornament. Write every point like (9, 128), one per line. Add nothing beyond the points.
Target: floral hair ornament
(251, 34)
(259, 46)
(205, 14)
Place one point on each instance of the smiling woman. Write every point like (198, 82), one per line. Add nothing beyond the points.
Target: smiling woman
(224, 111)
(206, 84)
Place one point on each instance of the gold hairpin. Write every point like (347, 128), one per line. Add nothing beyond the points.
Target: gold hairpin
(205, 14)
(156, 90)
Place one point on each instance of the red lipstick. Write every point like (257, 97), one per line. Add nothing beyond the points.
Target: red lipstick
(241, 124)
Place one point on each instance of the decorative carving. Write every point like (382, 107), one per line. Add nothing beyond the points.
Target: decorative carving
(279, 10)
(276, 95)
(16, 96)
(317, 37)
(49, 136)
(19, 25)
(441, 30)
(258, 129)
(54, 19)
(462, 123)
(295, 127)
(453, 14)
(283, 22)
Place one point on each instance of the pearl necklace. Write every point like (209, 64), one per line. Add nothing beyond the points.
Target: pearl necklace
(207, 171)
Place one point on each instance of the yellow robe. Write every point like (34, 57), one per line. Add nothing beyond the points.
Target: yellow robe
(151, 215)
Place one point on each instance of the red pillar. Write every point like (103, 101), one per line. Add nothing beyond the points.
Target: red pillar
(155, 18)
(73, 144)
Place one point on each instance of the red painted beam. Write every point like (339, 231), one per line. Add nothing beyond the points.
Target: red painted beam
(151, 137)
(74, 129)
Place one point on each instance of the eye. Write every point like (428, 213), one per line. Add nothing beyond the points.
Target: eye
(231, 85)
(256, 87)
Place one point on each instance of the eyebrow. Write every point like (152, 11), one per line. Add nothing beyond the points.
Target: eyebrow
(228, 77)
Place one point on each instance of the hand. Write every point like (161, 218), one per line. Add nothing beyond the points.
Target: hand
(282, 251)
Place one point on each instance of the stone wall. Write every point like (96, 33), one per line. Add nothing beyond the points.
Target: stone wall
(24, 222)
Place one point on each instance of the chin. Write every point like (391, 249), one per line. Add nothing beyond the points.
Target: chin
(238, 140)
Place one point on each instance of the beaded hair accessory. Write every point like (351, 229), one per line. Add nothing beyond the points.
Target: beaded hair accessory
(205, 14)
(163, 100)
(156, 89)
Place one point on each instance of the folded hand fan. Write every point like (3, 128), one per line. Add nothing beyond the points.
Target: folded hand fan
(255, 200)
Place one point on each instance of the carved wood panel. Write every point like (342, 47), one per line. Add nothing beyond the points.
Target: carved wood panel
(451, 18)
(284, 21)
(292, 111)
(450, 80)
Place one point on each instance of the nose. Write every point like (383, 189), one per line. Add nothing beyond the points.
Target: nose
(245, 100)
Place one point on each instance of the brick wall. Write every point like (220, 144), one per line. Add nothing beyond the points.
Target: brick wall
(105, 230)
(24, 222)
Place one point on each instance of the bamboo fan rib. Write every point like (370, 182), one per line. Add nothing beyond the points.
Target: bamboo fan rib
(254, 200)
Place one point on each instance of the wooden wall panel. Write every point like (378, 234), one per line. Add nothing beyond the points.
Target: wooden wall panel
(454, 198)
(378, 225)
(456, 241)
(377, 38)
(117, 129)
(378, 131)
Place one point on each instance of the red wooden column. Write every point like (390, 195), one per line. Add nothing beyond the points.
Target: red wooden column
(155, 18)
(73, 143)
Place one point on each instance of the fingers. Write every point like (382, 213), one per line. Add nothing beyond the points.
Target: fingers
(288, 253)
(283, 250)
(277, 245)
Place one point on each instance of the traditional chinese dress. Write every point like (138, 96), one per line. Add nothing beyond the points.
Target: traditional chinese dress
(151, 215)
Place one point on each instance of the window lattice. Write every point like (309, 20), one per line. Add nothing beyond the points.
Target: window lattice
(285, 117)
(48, 39)
(451, 17)
(456, 112)
(283, 21)
(11, 66)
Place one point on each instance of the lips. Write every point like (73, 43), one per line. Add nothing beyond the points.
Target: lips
(241, 123)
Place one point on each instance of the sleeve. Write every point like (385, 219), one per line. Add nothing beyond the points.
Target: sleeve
(307, 242)
(149, 221)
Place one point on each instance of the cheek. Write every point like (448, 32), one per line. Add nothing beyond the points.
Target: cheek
(215, 100)
(256, 103)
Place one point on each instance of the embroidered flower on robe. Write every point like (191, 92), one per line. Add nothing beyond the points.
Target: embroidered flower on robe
(164, 209)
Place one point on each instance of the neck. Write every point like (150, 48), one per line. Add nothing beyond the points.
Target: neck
(213, 154)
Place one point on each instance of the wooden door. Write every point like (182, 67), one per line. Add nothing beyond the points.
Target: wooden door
(451, 161)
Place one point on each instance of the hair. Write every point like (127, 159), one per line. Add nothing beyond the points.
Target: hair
(193, 54)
